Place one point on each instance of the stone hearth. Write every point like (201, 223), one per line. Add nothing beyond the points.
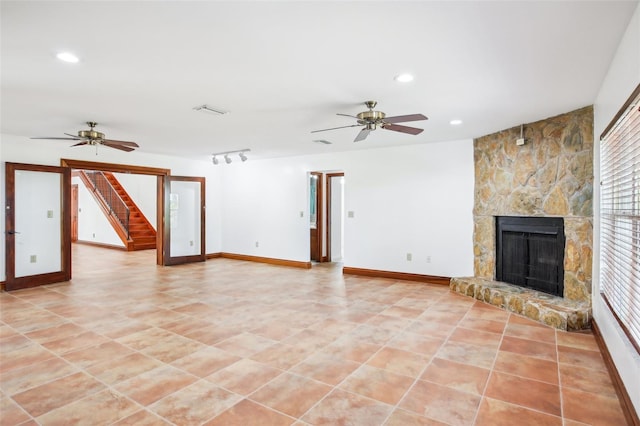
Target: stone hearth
(557, 312)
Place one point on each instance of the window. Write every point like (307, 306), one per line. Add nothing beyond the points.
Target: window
(620, 217)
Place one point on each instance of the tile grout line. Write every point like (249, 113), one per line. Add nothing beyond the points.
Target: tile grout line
(337, 386)
(417, 379)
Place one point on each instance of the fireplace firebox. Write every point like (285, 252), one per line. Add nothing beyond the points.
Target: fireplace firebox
(530, 252)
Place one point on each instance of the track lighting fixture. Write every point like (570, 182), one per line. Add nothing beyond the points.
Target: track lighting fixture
(227, 159)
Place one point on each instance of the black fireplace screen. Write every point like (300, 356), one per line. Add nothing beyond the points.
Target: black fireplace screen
(530, 252)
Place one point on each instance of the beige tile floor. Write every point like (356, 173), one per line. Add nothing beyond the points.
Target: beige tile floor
(228, 342)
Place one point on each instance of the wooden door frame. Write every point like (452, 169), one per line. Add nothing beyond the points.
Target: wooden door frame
(160, 174)
(74, 211)
(319, 216)
(164, 202)
(11, 282)
(329, 176)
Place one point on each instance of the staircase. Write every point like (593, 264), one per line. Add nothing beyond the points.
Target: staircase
(125, 217)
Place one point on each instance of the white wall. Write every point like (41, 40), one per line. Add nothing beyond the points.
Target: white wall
(411, 199)
(142, 190)
(93, 226)
(622, 78)
(20, 149)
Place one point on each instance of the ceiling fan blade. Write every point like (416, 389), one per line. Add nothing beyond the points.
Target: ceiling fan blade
(362, 135)
(347, 115)
(124, 143)
(402, 129)
(334, 128)
(405, 118)
(117, 146)
(60, 139)
(81, 143)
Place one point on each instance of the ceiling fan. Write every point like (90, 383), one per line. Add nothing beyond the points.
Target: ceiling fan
(93, 137)
(372, 119)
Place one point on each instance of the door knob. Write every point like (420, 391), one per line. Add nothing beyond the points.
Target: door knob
(12, 232)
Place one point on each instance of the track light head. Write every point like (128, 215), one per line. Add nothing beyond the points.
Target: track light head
(226, 155)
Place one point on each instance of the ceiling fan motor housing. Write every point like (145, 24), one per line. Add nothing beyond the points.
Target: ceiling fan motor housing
(90, 134)
(371, 116)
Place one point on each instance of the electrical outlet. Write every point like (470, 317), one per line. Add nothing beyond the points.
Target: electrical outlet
(301, 214)
(428, 259)
(191, 243)
(33, 258)
(49, 214)
(257, 244)
(350, 214)
(409, 257)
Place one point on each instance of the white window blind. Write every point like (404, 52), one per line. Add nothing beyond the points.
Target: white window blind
(620, 218)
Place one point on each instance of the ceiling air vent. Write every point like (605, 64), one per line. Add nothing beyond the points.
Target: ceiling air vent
(209, 110)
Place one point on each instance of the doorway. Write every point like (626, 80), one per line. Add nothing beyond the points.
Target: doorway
(50, 214)
(326, 216)
(335, 216)
(168, 214)
(160, 174)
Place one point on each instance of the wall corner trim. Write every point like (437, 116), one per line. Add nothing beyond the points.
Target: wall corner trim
(431, 279)
(625, 401)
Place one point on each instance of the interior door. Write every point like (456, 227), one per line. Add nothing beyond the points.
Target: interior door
(37, 225)
(183, 220)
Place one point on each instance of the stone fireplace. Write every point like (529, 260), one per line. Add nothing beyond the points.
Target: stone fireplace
(550, 176)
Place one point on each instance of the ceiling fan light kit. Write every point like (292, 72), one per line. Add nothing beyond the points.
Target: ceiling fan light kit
(227, 159)
(371, 120)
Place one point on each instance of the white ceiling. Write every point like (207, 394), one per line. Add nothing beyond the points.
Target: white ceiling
(282, 69)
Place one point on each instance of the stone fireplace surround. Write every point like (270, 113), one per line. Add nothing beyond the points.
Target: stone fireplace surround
(551, 175)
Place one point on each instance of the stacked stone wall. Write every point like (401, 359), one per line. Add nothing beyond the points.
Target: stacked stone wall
(551, 175)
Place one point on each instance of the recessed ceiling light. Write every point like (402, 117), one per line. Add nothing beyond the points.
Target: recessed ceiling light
(455, 122)
(403, 78)
(67, 57)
